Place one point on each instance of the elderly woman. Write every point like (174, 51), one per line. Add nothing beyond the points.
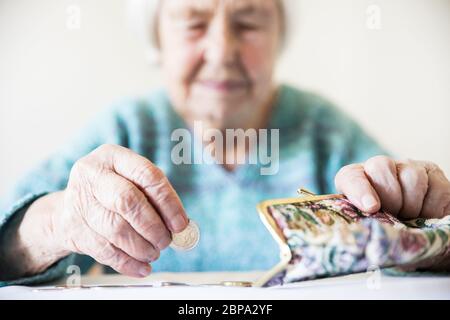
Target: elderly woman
(114, 194)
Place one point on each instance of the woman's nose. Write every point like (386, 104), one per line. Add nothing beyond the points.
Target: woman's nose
(221, 45)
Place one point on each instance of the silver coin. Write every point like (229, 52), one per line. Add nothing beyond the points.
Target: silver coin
(186, 239)
(236, 284)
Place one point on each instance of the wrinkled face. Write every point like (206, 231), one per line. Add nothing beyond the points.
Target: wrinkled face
(218, 58)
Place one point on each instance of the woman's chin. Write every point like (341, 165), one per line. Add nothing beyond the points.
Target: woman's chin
(220, 94)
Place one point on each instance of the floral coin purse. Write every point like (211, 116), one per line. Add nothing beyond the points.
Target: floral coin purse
(326, 235)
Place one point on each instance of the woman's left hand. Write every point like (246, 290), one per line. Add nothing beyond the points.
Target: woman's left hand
(407, 189)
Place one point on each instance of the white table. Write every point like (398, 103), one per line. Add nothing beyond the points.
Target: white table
(356, 286)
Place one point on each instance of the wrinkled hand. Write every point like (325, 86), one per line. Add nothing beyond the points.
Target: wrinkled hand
(407, 189)
(119, 208)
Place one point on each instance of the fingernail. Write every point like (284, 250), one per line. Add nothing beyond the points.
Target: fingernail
(368, 201)
(145, 271)
(164, 243)
(178, 223)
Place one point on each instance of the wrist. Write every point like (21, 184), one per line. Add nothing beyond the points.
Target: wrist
(37, 234)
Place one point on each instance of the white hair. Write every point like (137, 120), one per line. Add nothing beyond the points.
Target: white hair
(142, 15)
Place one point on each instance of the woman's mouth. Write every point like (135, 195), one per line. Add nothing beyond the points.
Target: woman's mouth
(224, 86)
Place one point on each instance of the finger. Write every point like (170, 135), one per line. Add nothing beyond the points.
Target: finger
(152, 181)
(413, 180)
(119, 195)
(351, 180)
(119, 232)
(105, 253)
(437, 200)
(382, 174)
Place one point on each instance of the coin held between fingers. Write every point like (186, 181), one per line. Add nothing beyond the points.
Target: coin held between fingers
(186, 239)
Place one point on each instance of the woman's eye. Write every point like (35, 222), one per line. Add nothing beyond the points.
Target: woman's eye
(195, 29)
(248, 27)
(196, 26)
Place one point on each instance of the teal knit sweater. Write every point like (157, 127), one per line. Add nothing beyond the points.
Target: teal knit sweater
(316, 140)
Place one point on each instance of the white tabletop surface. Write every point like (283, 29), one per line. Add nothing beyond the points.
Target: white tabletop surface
(356, 286)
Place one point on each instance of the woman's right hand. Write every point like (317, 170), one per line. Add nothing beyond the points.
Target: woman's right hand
(118, 208)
